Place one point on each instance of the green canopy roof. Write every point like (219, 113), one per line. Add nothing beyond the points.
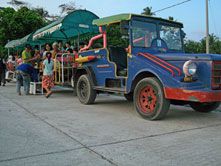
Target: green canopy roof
(27, 40)
(12, 44)
(21, 42)
(79, 22)
(76, 23)
(124, 17)
(111, 19)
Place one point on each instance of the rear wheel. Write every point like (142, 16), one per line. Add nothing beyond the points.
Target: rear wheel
(85, 92)
(149, 100)
(205, 107)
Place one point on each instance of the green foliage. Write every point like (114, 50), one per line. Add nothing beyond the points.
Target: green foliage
(115, 38)
(17, 24)
(192, 46)
(6, 25)
(42, 12)
(200, 47)
(3, 52)
(215, 44)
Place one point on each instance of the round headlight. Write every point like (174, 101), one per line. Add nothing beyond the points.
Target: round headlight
(189, 68)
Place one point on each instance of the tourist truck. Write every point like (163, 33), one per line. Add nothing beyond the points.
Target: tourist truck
(148, 65)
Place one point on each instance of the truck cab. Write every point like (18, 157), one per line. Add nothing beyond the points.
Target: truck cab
(143, 58)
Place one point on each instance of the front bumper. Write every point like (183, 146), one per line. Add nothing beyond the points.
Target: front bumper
(192, 95)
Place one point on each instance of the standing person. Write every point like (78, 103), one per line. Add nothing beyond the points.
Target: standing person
(2, 71)
(24, 73)
(47, 80)
(26, 54)
(37, 57)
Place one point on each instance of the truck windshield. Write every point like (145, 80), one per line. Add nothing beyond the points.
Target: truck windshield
(171, 36)
(147, 35)
(143, 33)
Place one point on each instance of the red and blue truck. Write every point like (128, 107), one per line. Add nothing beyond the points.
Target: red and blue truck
(149, 66)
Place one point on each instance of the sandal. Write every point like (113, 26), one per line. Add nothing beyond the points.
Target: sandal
(48, 94)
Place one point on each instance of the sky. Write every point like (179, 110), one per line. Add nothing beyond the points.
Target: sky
(191, 14)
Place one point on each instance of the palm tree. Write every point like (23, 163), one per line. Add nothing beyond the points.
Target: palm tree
(148, 11)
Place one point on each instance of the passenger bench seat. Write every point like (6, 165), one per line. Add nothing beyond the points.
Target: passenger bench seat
(118, 55)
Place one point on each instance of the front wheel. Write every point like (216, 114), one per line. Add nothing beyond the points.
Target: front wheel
(85, 92)
(149, 100)
(205, 107)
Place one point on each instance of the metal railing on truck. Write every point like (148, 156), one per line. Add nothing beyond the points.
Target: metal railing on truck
(63, 68)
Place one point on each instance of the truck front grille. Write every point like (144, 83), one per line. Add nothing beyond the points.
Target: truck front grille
(216, 75)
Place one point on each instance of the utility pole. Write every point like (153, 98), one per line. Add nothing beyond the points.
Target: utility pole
(207, 27)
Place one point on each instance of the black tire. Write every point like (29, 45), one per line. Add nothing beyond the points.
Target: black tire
(85, 92)
(149, 100)
(129, 97)
(204, 107)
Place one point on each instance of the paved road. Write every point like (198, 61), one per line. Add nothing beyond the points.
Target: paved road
(60, 131)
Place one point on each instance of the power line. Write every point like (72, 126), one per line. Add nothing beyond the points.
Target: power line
(171, 6)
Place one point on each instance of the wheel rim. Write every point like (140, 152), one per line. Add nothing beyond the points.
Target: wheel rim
(147, 99)
(83, 89)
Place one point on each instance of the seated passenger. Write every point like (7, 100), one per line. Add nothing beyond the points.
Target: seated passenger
(68, 47)
(37, 52)
(47, 49)
(60, 46)
(82, 45)
(55, 50)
